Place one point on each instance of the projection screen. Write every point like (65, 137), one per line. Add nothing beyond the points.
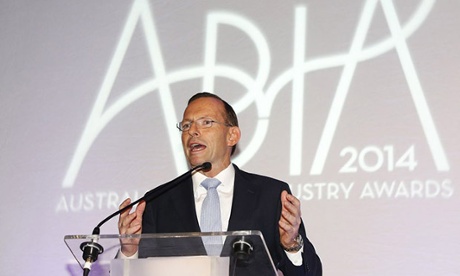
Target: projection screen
(354, 103)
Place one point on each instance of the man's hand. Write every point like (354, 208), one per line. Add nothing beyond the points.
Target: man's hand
(130, 223)
(290, 220)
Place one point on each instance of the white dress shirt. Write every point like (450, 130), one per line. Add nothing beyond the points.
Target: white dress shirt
(225, 191)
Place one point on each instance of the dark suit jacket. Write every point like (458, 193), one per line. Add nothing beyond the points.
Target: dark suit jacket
(256, 206)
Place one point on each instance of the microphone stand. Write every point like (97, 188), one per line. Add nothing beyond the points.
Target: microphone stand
(92, 249)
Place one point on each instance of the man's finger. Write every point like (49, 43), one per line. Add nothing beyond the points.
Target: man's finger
(140, 208)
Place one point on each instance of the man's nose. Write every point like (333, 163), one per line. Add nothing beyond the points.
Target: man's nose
(194, 131)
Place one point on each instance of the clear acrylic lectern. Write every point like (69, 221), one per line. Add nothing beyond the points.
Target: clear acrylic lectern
(241, 253)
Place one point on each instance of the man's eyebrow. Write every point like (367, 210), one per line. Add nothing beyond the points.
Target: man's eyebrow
(202, 117)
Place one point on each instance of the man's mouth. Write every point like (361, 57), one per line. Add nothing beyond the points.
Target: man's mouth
(194, 147)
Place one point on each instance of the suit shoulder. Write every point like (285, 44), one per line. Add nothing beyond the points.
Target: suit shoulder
(260, 179)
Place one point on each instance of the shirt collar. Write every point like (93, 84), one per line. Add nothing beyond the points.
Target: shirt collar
(226, 177)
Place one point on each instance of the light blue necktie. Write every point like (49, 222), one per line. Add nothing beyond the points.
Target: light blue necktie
(210, 220)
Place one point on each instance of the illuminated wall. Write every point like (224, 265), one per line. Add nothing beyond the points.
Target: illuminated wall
(355, 104)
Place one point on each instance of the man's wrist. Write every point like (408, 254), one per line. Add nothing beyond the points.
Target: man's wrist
(298, 244)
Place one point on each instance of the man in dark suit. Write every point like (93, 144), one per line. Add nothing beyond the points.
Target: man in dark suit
(210, 133)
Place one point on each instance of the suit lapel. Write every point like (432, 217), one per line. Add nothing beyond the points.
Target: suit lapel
(244, 203)
(184, 205)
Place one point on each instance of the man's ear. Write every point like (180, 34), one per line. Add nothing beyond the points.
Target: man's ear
(234, 135)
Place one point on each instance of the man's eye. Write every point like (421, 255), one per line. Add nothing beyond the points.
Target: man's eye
(206, 122)
(185, 125)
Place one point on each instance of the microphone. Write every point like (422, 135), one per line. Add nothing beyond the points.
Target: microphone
(92, 249)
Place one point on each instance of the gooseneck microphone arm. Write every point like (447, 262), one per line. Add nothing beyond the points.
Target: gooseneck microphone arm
(92, 249)
(154, 193)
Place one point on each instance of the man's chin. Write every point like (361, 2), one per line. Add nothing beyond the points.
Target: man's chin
(196, 162)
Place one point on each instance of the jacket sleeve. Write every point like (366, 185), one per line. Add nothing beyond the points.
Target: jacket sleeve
(311, 263)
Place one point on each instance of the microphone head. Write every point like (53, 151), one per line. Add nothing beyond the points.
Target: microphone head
(206, 166)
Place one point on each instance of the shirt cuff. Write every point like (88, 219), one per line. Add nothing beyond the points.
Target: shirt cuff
(120, 255)
(295, 257)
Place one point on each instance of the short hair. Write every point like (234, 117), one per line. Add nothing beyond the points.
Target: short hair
(230, 115)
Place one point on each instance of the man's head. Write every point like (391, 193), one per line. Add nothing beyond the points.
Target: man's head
(210, 131)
